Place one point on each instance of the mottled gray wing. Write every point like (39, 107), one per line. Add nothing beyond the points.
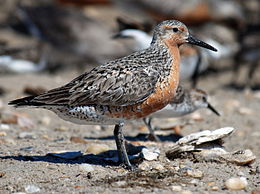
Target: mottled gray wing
(106, 85)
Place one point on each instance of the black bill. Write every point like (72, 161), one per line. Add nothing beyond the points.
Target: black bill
(195, 41)
(213, 109)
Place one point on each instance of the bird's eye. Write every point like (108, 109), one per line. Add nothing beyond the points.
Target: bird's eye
(175, 29)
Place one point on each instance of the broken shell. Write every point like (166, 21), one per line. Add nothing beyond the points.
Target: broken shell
(150, 154)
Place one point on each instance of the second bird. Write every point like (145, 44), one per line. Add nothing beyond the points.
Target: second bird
(185, 102)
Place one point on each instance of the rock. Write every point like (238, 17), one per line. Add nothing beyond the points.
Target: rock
(176, 188)
(2, 174)
(4, 127)
(45, 121)
(86, 167)
(150, 154)
(236, 183)
(185, 192)
(64, 154)
(145, 166)
(61, 128)
(2, 133)
(26, 135)
(97, 148)
(11, 141)
(240, 173)
(78, 140)
(8, 118)
(191, 172)
(257, 170)
(25, 122)
(194, 181)
(245, 111)
(257, 191)
(27, 149)
(119, 183)
(214, 188)
(159, 167)
(32, 189)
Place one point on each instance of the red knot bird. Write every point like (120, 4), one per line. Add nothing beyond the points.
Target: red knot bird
(193, 60)
(127, 88)
(184, 102)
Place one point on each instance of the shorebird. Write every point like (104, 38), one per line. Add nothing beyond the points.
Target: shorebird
(193, 60)
(127, 88)
(184, 102)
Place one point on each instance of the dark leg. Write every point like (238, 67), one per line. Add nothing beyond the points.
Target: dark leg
(195, 75)
(148, 123)
(237, 66)
(250, 75)
(120, 144)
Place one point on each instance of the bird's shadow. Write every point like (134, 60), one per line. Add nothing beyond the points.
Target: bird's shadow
(141, 137)
(99, 159)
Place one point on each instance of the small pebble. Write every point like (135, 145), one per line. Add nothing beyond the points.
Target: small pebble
(211, 183)
(119, 183)
(191, 172)
(240, 173)
(150, 154)
(245, 111)
(8, 118)
(45, 121)
(86, 167)
(10, 141)
(2, 133)
(61, 128)
(78, 140)
(194, 181)
(97, 148)
(185, 192)
(214, 188)
(4, 126)
(158, 167)
(236, 183)
(176, 188)
(25, 122)
(32, 189)
(2, 174)
(145, 166)
(26, 135)
(27, 149)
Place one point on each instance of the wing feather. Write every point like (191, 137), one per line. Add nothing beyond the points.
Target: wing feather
(118, 83)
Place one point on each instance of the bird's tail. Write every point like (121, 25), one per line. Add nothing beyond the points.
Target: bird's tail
(26, 101)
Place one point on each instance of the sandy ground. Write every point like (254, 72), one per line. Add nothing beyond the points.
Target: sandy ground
(24, 147)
